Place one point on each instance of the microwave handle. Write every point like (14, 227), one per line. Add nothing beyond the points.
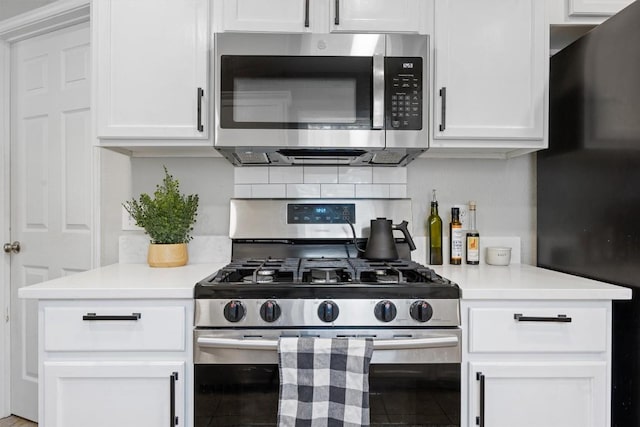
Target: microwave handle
(378, 91)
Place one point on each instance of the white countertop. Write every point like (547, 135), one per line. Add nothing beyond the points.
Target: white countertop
(517, 281)
(521, 281)
(120, 281)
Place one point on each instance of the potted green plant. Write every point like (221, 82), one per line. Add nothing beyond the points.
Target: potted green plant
(168, 219)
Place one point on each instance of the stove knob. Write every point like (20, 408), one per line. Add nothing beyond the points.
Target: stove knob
(328, 311)
(385, 311)
(270, 311)
(421, 311)
(234, 311)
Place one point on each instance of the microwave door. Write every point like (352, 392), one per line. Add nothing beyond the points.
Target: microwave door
(305, 96)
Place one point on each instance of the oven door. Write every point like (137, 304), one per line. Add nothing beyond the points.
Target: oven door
(414, 377)
(300, 90)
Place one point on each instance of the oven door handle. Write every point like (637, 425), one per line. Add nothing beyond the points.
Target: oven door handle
(392, 344)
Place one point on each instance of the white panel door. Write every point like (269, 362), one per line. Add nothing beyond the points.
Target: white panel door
(284, 16)
(376, 16)
(110, 394)
(538, 394)
(152, 61)
(596, 7)
(491, 61)
(51, 184)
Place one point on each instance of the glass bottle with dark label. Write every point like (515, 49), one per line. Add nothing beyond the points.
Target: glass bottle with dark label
(473, 237)
(434, 224)
(456, 239)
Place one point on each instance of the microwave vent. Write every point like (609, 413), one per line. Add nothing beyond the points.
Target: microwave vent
(251, 158)
(388, 157)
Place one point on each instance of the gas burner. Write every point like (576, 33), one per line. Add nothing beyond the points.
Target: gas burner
(387, 278)
(324, 275)
(265, 272)
(259, 279)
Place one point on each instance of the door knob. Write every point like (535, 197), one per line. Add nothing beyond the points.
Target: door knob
(12, 247)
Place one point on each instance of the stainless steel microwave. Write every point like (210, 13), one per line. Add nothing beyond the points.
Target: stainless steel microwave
(292, 99)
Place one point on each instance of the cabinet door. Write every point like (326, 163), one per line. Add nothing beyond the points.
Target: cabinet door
(151, 67)
(108, 394)
(535, 394)
(490, 71)
(377, 16)
(596, 7)
(284, 16)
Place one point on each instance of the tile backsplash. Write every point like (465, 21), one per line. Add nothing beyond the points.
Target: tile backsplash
(320, 182)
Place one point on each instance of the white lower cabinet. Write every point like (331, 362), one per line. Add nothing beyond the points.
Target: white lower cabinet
(536, 363)
(536, 394)
(106, 363)
(108, 394)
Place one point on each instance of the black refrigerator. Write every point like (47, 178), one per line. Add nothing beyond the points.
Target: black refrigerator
(588, 183)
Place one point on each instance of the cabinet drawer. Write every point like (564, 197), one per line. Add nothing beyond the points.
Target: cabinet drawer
(537, 330)
(114, 328)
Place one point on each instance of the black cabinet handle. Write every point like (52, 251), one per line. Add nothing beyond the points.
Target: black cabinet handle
(337, 17)
(173, 419)
(200, 95)
(306, 13)
(443, 109)
(561, 318)
(480, 418)
(93, 316)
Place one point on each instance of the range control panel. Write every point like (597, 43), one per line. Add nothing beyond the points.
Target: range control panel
(325, 213)
(403, 93)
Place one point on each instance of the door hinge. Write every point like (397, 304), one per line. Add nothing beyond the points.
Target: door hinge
(7, 316)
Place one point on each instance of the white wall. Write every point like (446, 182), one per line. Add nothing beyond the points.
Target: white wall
(503, 189)
(9, 8)
(115, 188)
(210, 178)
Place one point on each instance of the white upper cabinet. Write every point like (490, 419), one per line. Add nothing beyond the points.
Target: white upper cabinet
(322, 16)
(591, 12)
(596, 7)
(287, 16)
(491, 72)
(151, 66)
(382, 16)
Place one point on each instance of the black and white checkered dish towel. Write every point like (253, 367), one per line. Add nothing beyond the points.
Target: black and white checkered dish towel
(324, 382)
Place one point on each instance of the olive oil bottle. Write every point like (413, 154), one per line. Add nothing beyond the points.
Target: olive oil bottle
(434, 224)
(456, 239)
(473, 238)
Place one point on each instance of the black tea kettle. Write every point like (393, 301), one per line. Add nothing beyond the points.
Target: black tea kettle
(381, 245)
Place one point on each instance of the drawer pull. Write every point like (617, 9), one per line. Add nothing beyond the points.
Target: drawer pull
(561, 318)
(173, 419)
(93, 316)
(480, 418)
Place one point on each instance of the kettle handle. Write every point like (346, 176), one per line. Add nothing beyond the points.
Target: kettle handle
(403, 227)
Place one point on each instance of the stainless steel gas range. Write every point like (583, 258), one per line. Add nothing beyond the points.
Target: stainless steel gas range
(297, 270)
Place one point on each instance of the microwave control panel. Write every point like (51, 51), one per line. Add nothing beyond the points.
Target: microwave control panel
(403, 93)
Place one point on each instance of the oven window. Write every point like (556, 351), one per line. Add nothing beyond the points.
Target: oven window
(400, 395)
(286, 92)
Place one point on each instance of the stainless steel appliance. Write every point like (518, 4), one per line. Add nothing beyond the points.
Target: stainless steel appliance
(288, 99)
(309, 281)
(588, 204)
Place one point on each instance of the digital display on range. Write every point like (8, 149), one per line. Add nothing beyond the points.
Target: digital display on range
(331, 213)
